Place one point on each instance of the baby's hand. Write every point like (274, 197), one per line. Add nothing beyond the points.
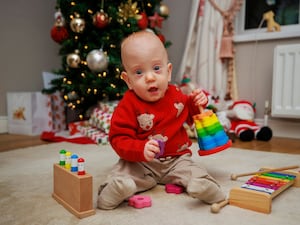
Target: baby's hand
(151, 149)
(199, 97)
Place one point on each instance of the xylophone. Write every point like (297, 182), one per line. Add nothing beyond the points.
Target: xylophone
(259, 191)
(211, 135)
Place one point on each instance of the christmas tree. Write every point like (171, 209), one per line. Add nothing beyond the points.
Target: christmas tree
(89, 33)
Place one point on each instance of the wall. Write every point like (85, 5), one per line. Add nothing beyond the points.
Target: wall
(175, 29)
(254, 65)
(26, 46)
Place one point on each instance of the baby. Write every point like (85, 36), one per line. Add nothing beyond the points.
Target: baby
(147, 129)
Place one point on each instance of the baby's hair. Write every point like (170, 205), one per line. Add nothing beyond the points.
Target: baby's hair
(138, 34)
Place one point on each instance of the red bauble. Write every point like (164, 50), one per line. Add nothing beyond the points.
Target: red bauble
(59, 33)
(143, 21)
(162, 38)
(101, 19)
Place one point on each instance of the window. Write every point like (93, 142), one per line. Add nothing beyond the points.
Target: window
(250, 26)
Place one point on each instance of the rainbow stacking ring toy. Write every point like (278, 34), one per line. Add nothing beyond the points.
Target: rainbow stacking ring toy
(211, 135)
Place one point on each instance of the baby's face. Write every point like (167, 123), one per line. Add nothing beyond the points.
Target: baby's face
(147, 69)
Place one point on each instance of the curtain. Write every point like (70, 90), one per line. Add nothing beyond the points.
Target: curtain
(201, 61)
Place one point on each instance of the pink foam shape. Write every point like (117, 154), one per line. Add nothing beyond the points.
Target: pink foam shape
(173, 188)
(140, 201)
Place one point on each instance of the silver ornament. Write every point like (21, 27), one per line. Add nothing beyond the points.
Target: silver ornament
(97, 60)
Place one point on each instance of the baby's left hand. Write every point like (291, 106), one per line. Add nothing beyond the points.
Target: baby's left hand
(199, 97)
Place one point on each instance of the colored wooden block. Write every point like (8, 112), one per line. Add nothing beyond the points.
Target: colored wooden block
(74, 192)
(211, 135)
(140, 201)
(161, 148)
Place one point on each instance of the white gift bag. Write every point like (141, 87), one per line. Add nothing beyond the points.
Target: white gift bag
(28, 113)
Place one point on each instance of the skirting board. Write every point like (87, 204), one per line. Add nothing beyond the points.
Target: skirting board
(3, 124)
(286, 128)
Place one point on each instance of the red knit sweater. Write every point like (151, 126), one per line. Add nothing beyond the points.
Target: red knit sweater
(135, 121)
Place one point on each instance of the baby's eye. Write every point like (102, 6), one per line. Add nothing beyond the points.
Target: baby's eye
(138, 72)
(156, 68)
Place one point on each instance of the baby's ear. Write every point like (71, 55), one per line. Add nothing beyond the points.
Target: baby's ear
(170, 67)
(124, 77)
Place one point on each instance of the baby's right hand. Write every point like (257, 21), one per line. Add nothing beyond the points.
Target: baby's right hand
(151, 149)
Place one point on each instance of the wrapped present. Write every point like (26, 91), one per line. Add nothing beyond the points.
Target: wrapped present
(108, 106)
(101, 116)
(100, 119)
(75, 127)
(98, 125)
(98, 136)
(58, 115)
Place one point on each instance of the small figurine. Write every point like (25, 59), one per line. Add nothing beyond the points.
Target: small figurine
(62, 157)
(241, 115)
(81, 170)
(68, 160)
(272, 25)
(74, 163)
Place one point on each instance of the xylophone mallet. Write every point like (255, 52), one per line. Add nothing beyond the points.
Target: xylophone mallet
(216, 207)
(235, 176)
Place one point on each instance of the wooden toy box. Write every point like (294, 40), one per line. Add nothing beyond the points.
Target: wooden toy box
(72, 191)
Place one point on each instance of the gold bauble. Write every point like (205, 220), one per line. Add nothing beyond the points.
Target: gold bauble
(73, 60)
(77, 24)
(163, 10)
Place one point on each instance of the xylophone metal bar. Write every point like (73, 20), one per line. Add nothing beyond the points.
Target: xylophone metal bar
(258, 200)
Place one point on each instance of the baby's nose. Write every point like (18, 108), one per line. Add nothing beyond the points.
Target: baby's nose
(150, 76)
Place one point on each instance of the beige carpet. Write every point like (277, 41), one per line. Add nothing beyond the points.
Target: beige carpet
(26, 185)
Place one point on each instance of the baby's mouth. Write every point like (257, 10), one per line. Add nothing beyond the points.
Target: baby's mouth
(153, 89)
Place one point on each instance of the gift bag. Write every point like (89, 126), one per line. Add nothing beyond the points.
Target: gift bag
(28, 113)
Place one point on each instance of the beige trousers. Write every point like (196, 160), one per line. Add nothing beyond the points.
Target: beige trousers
(127, 178)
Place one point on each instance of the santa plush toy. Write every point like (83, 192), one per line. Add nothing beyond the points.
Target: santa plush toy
(241, 115)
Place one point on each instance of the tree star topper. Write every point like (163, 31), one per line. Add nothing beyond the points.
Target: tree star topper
(127, 10)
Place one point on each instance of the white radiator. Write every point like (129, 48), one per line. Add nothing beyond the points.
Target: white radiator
(286, 81)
